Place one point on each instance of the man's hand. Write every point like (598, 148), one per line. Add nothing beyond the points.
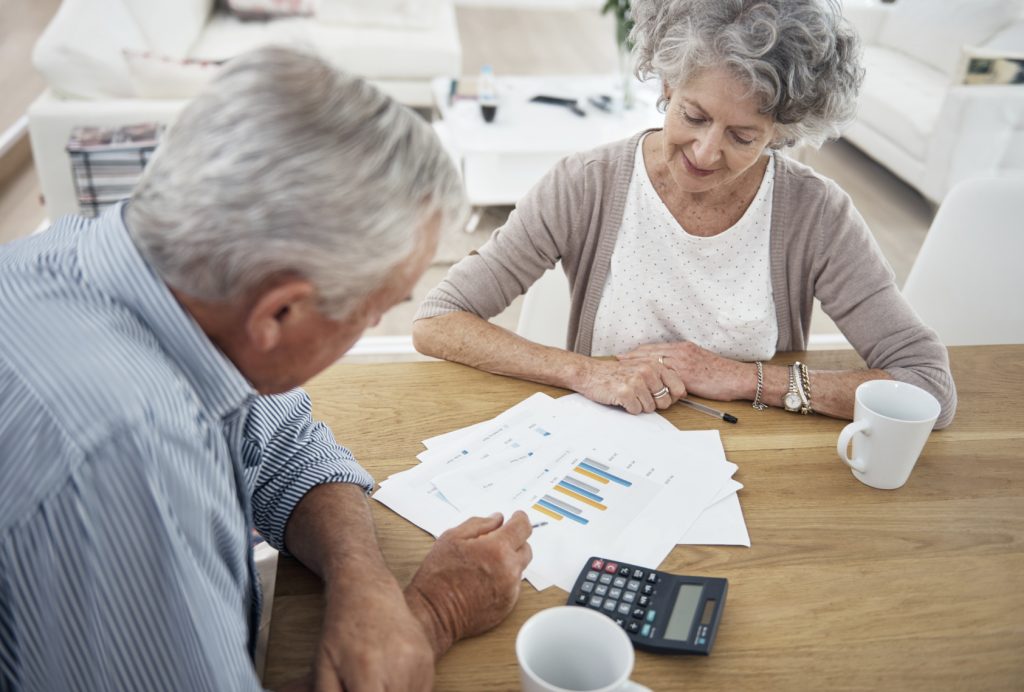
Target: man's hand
(371, 640)
(704, 373)
(470, 579)
(632, 383)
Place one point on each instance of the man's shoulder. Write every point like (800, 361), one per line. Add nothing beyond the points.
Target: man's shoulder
(86, 361)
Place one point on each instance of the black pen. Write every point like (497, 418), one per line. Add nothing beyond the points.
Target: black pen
(727, 417)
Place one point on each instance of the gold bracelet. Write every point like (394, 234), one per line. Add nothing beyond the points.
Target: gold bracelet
(805, 381)
(758, 404)
(799, 378)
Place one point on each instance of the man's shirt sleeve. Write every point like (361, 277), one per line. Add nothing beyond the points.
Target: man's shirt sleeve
(286, 454)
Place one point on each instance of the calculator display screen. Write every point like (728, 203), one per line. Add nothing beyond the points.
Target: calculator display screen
(687, 600)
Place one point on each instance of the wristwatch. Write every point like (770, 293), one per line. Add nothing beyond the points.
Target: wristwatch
(792, 400)
(796, 399)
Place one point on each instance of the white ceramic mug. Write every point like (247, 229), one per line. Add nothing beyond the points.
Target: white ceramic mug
(574, 648)
(891, 423)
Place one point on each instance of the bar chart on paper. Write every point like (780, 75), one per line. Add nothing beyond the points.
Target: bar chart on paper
(590, 494)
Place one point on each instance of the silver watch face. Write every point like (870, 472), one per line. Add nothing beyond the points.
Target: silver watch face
(792, 401)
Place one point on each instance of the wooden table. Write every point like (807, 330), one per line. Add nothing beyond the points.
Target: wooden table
(844, 587)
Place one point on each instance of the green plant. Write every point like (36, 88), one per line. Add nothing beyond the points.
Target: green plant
(623, 19)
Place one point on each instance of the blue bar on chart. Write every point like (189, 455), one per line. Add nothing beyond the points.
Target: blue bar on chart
(579, 498)
(593, 468)
(580, 484)
(580, 487)
(564, 513)
(564, 505)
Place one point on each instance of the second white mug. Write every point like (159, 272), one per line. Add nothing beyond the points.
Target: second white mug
(574, 648)
(891, 423)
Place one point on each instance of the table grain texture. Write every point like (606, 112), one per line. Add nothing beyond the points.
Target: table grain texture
(844, 586)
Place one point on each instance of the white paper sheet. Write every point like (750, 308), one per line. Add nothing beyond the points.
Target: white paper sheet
(672, 478)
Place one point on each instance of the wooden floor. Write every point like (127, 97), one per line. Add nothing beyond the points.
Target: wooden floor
(21, 23)
(513, 41)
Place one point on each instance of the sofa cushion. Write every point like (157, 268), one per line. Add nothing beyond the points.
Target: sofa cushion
(935, 32)
(399, 14)
(170, 28)
(372, 52)
(79, 52)
(901, 97)
(160, 77)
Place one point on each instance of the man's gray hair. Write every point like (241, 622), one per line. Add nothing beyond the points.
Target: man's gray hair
(800, 57)
(287, 166)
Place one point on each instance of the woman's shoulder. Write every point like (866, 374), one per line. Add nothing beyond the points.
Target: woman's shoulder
(803, 179)
(593, 173)
(610, 157)
(800, 187)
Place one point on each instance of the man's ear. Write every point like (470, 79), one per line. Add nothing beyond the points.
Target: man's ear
(275, 309)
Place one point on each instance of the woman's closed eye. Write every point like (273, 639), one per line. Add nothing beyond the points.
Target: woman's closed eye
(698, 120)
(693, 120)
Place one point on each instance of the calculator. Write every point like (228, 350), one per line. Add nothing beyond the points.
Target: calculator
(661, 612)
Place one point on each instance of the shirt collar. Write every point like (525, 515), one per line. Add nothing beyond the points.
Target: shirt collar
(112, 263)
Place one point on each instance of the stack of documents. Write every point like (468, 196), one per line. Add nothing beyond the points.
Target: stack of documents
(605, 482)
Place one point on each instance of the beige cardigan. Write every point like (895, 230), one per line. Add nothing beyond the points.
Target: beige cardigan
(820, 247)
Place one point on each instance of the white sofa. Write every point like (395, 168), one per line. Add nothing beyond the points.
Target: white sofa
(110, 63)
(914, 116)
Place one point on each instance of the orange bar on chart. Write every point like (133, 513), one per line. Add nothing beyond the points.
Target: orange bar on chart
(580, 498)
(545, 510)
(589, 474)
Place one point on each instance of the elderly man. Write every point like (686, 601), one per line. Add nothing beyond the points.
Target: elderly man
(146, 417)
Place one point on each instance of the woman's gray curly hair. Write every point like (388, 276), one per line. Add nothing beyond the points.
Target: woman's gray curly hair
(800, 57)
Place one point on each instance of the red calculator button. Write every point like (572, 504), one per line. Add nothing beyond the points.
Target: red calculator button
(611, 567)
(597, 564)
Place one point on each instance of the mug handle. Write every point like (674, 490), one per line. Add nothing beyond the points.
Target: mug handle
(844, 442)
(631, 686)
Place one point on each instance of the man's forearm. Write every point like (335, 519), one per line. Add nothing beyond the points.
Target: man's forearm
(331, 530)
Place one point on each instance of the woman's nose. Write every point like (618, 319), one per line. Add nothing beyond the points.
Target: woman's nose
(705, 150)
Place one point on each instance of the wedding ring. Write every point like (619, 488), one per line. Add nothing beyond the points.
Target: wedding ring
(660, 393)
(661, 360)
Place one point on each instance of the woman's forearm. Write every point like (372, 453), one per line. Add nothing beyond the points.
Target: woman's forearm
(832, 391)
(465, 338)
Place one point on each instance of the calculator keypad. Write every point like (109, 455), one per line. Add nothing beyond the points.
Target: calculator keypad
(636, 599)
(623, 592)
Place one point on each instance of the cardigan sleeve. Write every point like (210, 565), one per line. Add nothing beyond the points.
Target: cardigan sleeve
(857, 289)
(536, 235)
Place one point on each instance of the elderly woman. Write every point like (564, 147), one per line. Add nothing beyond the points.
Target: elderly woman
(694, 252)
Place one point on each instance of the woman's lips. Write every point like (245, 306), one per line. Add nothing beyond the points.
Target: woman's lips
(693, 170)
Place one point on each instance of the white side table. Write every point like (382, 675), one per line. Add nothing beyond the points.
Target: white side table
(503, 159)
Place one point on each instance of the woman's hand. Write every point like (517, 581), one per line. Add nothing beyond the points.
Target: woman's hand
(700, 371)
(631, 384)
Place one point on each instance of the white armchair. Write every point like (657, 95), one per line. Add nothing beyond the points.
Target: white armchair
(914, 116)
(110, 63)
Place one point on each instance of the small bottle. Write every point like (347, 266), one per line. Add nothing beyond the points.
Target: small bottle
(487, 93)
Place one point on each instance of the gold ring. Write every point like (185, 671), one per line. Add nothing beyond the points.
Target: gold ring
(661, 360)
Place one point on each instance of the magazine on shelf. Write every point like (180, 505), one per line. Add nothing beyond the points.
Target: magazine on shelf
(987, 66)
(106, 162)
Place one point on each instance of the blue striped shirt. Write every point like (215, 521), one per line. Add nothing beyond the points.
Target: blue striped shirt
(134, 458)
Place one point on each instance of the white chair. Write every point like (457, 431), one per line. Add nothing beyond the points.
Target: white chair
(544, 318)
(967, 282)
